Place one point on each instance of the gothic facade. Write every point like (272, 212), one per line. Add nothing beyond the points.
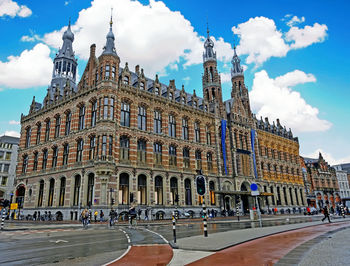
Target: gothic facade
(118, 137)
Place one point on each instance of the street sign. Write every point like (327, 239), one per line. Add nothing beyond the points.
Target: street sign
(255, 193)
(253, 187)
(14, 206)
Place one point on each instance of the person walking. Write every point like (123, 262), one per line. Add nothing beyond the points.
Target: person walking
(146, 214)
(101, 216)
(139, 212)
(326, 214)
(132, 214)
(85, 217)
(111, 217)
(95, 215)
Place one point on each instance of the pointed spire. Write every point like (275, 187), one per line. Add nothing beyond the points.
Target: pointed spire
(209, 53)
(236, 69)
(110, 48)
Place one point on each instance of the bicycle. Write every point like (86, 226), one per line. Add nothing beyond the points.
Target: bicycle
(85, 223)
(132, 221)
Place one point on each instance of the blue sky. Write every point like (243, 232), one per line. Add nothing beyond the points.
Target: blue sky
(294, 53)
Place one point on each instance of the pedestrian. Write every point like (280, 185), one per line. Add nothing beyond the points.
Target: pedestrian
(111, 217)
(326, 214)
(95, 215)
(132, 214)
(139, 212)
(34, 216)
(101, 215)
(146, 214)
(85, 217)
(49, 216)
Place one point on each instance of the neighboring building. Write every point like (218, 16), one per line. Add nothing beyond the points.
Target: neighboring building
(8, 163)
(121, 136)
(342, 176)
(308, 185)
(324, 183)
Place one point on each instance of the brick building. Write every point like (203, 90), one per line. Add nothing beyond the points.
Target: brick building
(323, 183)
(120, 136)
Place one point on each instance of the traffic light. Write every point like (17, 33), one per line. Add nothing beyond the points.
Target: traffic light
(200, 181)
(112, 201)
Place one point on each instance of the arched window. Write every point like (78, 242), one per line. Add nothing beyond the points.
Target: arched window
(197, 132)
(126, 80)
(141, 151)
(210, 161)
(41, 193)
(25, 163)
(188, 192)
(57, 126)
(172, 155)
(183, 100)
(47, 130)
(124, 148)
(157, 149)
(80, 147)
(62, 191)
(93, 113)
(125, 114)
(113, 72)
(28, 135)
(81, 124)
(90, 190)
(142, 85)
(157, 122)
(54, 156)
(142, 190)
(185, 128)
(156, 90)
(170, 95)
(172, 126)
(186, 158)
(211, 192)
(44, 159)
(51, 192)
(107, 71)
(174, 197)
(158, 190)
(142, 118)
(65, 154)
(35, 161)
(68, 122)
(198, 156)
(208, 135)
(92, 150)
(76, 196)
(124, 188)
(104, 147)
(213, 93)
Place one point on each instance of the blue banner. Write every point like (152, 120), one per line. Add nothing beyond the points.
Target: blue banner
(223, 142)
(252, 138)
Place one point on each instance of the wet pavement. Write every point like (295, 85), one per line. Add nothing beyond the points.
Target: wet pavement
(267, 250)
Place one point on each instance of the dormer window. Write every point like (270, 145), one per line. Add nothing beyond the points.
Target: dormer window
(156, 90)
(170, 95)
(126, 80)
(195, 104)
(184, 100)
(142, 85)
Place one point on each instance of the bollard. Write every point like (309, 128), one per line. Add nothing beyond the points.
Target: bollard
(342, 211)
(205, 219)
(237, 211)
(174, 227)
(2, 218)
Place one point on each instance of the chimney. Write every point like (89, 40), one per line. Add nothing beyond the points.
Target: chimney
(92, 50)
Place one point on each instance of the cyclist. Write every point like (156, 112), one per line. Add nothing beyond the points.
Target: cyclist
(112, 215)
(132, 214)
(85, 217)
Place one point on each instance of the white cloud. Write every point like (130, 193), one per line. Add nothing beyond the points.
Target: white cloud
(31, 38)
(306, 36)
(329, 158)
(260, 40)
(295, 20)
(174, 66)
(11, 133)
(225, 77)
(31, 68)
(13, 122)
(274, 98)
(66, 3)
(12, 9)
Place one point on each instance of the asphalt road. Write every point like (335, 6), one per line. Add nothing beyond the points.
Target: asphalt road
(99, 244)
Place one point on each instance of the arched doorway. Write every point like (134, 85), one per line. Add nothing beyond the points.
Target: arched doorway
(227, 201)
(158, 190)
(90, 189)
(20, 192)
(174, 197)
(244, 198)
(124, 188)
(188, 193)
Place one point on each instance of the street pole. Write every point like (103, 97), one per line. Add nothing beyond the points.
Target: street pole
(2, 218)
(237, 207)
(174, 227)
(258, 209)
(205, 219)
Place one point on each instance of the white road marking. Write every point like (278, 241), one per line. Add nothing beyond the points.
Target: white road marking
(162, 237)
(126, 251)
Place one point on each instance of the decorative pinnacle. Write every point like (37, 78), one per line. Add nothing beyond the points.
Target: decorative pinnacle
(111, 22)
(69, 23)
(207, 28)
